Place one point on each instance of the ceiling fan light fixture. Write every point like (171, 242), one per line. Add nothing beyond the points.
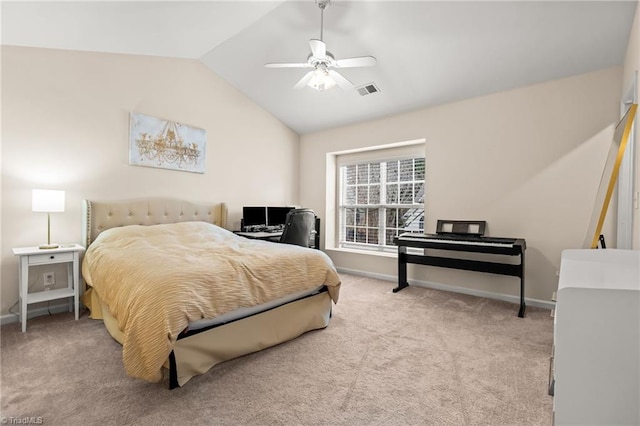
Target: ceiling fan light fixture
(321, 80)
(323, 76)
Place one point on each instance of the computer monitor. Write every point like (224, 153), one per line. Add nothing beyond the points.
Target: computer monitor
(254, 216)
(277, 216)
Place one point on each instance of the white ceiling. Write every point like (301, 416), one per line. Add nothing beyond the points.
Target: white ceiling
(428, 52)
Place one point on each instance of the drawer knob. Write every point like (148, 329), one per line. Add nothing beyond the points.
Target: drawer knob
(52, 257)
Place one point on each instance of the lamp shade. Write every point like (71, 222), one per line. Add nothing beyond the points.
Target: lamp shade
(46, 200)
(321, 80)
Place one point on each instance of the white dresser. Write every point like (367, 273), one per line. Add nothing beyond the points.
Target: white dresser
(597, 338)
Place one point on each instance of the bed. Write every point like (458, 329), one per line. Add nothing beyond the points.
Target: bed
(182, 294)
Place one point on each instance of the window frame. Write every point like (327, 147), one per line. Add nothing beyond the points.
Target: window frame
(382, 243)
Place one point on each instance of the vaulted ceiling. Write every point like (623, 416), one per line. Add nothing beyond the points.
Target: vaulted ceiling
(428, 52)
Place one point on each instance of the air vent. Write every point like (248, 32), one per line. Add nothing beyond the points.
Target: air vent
(367, 89)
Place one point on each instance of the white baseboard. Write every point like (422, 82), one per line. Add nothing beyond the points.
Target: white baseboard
(455, 289)
(58, 308)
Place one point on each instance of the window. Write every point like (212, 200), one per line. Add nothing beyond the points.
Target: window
(379, 199)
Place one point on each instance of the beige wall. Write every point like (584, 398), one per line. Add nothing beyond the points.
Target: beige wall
(631, 66)
(65, 123)
(528, 161)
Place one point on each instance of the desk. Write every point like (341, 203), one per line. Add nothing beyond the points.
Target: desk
(314, 241)
(259, 235)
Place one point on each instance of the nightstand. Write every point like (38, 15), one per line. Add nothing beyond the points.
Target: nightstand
(34, 256)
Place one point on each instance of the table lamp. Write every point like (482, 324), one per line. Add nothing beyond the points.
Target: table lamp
(49, 201)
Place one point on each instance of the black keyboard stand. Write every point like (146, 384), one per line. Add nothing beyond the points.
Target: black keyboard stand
(516, 270)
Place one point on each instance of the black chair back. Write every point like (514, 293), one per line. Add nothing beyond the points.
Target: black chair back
(299, 227)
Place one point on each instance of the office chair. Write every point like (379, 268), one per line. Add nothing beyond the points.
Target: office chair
(299, 227)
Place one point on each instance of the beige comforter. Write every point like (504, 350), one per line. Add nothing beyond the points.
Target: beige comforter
(157, 279)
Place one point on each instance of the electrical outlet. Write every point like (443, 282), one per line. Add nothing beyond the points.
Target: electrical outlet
(49, 279)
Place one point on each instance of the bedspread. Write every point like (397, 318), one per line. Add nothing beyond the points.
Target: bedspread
(157, 279)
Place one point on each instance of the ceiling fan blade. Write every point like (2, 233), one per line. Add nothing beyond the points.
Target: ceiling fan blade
(288, 65)
(304, 80)
(341, 81)
(318, 48)
(362, 61)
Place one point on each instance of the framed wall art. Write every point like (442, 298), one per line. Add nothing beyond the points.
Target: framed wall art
(165, 144)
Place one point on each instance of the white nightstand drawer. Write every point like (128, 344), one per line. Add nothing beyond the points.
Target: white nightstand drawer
(36, 259)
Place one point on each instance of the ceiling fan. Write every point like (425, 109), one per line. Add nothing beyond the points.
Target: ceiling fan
(323, 76)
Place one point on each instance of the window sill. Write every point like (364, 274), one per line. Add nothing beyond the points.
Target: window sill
(365, 252)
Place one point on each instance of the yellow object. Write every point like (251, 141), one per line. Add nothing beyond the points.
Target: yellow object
(612, 169)
(155, 280)
(91, 301)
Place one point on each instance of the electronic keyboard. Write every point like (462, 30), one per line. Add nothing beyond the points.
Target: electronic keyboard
(454, 236)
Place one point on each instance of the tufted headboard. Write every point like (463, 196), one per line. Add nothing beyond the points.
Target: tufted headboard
(100, 216)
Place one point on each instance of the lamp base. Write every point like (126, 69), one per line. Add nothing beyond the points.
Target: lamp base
(48, 246)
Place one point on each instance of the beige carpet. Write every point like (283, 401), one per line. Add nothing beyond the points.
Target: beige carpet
(418, 357)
